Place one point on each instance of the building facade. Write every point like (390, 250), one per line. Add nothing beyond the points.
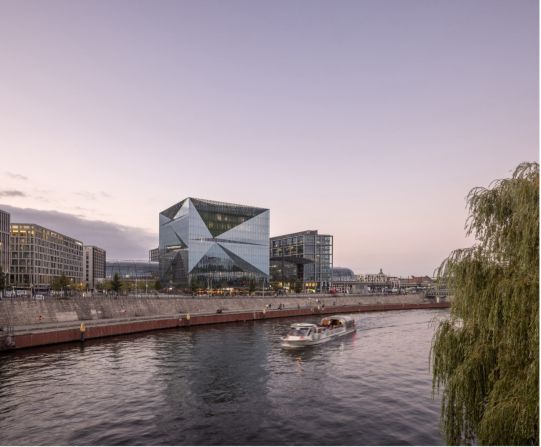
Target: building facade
(5, 255)
(132, 270)
(94, 264)
(213, 244)
(374, 278)
(154, 255)
(39, 255)
(302, 260)
(343, 274)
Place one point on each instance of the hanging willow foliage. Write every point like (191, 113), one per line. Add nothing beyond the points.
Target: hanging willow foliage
(485, 357)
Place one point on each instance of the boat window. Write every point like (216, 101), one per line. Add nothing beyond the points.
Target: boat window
(298, 332)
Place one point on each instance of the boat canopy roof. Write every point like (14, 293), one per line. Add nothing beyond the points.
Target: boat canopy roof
(343, 318)
(297, 325)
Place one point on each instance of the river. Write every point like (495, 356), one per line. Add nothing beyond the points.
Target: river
(228, 384)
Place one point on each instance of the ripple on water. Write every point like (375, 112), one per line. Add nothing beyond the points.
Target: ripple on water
(227, 385)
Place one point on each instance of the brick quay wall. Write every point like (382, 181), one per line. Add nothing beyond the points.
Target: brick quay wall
(29, 323)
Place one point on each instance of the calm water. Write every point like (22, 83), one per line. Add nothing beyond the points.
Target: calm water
(228, 384)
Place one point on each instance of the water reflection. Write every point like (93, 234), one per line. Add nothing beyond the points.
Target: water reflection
(227, 384)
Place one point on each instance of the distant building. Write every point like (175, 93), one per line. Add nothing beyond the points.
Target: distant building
(345, 281)
(374, 278)
(343, 274)
(154, 255)
(304, 258)
(132, 270)
(94, 264)
(213, 244)
(5, 257)
(419, 282)
(39, 255)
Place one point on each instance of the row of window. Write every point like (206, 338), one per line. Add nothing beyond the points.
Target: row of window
(299, 240)
(45, 249)
(44, 271)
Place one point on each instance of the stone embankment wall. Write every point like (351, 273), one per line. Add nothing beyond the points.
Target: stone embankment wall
(24, 312)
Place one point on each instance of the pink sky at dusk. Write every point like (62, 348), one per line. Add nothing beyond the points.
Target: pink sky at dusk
(368, 120)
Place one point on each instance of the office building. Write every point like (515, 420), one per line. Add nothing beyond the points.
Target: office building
(154, 255)
(213, 244)
(94, 263)
(5, 255)
(39, 255)
(302, 260)
(132, 270)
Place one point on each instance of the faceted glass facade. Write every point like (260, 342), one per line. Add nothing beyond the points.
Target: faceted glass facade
(213, 244)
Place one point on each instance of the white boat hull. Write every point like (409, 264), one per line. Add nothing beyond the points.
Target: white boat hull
(289, 342)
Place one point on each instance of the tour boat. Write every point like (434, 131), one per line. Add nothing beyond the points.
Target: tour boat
(308, 334)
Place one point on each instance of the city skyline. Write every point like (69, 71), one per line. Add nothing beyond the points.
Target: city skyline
(366, 120)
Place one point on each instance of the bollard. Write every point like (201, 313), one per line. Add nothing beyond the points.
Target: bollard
(82, 329)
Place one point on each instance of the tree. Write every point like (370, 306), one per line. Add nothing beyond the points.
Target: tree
(116, 284)
(60, 282)
(194, 284)
(485, 357)
(107, 285)
(126, 285)
(251, 286)
(157, 285)
(80, 287)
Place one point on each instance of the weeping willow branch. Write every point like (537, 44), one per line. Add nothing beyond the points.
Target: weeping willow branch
(485, 358)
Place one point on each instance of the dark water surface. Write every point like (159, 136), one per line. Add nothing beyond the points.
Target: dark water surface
(228, 384)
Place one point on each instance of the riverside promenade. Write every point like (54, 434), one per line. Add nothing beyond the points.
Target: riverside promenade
(29, 323)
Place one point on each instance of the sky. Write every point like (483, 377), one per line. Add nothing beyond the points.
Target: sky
(367, 120)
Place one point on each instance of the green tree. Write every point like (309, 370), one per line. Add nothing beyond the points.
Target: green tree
(251, 286)
(194, 284)
(157, 285)
(107, 285)
(126, 286)
(60, 283)
(116, 283)
(485, 357)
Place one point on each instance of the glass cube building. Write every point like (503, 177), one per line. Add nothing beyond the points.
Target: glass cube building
(213, 244)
